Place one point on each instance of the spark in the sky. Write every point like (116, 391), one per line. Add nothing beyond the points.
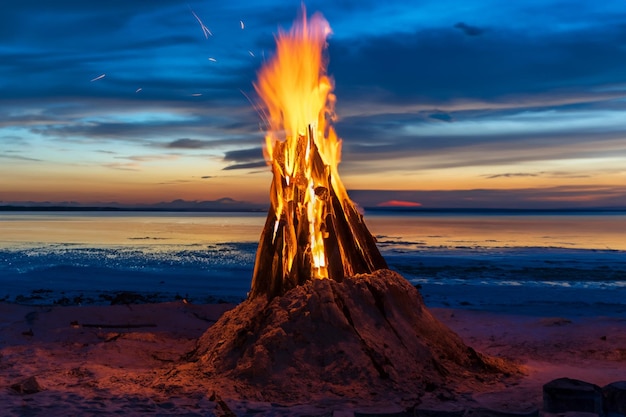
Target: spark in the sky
(205, 30)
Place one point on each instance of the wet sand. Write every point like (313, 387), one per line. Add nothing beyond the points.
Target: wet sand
(106, 360)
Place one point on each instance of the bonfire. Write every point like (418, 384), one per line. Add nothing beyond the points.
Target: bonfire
(325, 318)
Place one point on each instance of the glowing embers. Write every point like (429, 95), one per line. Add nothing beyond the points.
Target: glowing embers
(313, 230)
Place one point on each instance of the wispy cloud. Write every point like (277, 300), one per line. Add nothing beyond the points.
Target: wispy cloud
(511, 175)
(245, 165)
(129, 166)
(149, 158)
(20, 158)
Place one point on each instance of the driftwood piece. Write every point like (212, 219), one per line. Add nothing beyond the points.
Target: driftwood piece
(29, 385)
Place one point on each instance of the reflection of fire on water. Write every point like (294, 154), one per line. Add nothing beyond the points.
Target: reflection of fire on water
(313, 229)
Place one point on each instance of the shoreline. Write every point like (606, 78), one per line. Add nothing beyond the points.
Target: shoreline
(522, 298)
(110, 359)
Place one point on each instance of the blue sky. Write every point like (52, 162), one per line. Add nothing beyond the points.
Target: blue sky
(443, 103)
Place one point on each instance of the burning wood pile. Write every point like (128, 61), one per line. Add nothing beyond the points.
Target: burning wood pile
(313, 230)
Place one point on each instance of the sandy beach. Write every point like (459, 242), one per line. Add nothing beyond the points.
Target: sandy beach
(99, 360)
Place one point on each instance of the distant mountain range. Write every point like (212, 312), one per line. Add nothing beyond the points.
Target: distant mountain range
(227, 204)
(222, 204)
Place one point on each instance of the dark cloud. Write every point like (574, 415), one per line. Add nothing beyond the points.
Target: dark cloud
(244, 155)
(244, 159)
(434, 66)
(444, 117)
(186, 143)
(469, 30)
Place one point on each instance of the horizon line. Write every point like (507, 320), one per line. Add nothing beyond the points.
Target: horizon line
(253, 209)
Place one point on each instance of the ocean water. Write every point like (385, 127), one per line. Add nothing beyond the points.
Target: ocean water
(526, 262)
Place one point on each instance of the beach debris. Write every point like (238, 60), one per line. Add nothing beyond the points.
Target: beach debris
(110, 337)
(615, 398)
(29, 385)
(222, 409)
(564, 395)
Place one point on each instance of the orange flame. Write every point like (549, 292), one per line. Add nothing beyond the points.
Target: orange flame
(297, 94)
(297, 91)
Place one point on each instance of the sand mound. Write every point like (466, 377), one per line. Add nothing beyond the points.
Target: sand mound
(366, 337)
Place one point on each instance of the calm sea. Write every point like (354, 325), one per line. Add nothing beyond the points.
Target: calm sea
(465, 258)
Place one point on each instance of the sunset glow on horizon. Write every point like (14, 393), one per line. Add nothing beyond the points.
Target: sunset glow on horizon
(399, 203)
(490, 105)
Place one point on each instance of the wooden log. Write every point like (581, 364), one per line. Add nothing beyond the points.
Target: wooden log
(284, 256)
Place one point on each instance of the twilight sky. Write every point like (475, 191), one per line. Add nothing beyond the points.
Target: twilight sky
(446, 103)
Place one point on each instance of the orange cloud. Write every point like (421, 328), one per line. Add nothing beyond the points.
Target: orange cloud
(399, 203)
